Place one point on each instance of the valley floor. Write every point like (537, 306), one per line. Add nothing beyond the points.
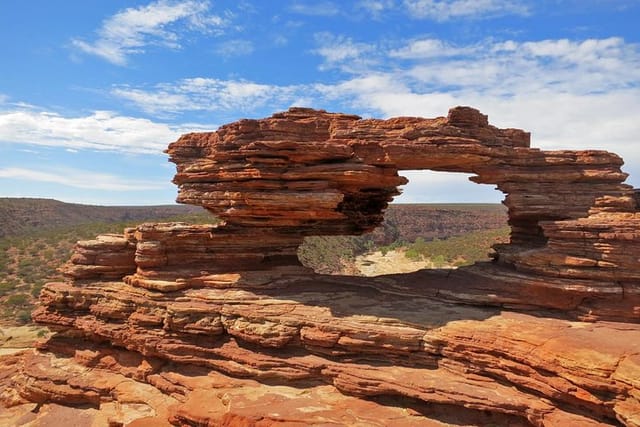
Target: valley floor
(394, 261)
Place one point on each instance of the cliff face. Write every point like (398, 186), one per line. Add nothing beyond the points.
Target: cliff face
(548, 334)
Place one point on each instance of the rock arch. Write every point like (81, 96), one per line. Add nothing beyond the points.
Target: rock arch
(308, 172)
(575, 229)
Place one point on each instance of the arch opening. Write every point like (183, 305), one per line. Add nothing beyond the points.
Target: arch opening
(440, 220)
(429, 186)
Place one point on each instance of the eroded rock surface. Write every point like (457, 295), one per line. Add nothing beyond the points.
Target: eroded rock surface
(221, 325)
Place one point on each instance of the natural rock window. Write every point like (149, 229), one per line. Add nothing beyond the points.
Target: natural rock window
(416, 235)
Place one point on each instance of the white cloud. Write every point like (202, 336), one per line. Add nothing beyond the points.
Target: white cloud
(375, 7)
(444, 10)
(554, 65)
(364, 87)
(502, 68)
(80, 179)
(234, 48)
(205, 94)
(129, 31)
(342, 52)
(280, 40)
(317, 8)
(155, 101)
(101, 130)
(429, 48)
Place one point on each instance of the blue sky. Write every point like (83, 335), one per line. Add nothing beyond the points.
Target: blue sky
(92, 91)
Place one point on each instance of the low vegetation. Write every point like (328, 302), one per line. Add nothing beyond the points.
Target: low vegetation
(30, 259)
(456, 251)
(337, 254)
(331, 254)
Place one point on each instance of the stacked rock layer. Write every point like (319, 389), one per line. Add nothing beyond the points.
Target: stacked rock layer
(548, 334)
(306, 172)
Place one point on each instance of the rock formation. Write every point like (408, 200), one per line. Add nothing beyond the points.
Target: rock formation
(221, 324)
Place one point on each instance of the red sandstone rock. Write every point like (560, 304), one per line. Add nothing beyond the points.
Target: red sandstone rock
(419, 348)
(108, 256)
(510, 343)
(310, 172)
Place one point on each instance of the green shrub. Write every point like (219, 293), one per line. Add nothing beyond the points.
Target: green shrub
(36, 288)
(325, 254)
(413, 254)
(17, 299)
(6, 287)
(38, 246)
(48, 254)
(439, 261)
(23, 317)
(458, 250)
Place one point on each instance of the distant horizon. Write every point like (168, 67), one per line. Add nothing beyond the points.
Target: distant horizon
(183, 204)
(91, 93)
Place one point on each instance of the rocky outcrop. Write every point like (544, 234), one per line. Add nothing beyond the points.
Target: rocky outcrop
(305, 172)
(546, 335)
(370, 338)
(500, 368)
(326, 173)
(108, 256)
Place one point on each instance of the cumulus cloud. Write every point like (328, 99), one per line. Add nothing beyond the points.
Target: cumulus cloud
(80, 179)
(444, 10)
(505, 68)
(100, 130)
(159, 23)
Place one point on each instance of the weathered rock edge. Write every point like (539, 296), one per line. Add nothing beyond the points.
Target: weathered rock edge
(233, 298)
(575, 228)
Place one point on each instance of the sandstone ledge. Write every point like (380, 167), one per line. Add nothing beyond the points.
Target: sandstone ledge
(365, 340)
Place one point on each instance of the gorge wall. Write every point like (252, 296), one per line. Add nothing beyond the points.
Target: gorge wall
(221, 320)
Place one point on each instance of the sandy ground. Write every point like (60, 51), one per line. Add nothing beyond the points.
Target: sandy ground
(17, 338)
(375, 264)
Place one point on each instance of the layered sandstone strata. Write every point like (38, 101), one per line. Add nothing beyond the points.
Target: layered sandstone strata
(410, 353)
(306, 172)
(511, 342)
(324, 173)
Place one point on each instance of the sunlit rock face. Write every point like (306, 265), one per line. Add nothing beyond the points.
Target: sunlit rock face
(223, 325)
(308, 172)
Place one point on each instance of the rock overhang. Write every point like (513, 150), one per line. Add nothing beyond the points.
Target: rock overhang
(309, 172)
